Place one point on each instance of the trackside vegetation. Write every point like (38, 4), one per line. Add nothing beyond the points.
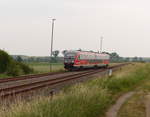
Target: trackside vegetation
(89, 99)
(9, 66)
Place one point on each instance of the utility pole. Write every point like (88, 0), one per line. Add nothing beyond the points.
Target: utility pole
(52, 35)
(101, 44)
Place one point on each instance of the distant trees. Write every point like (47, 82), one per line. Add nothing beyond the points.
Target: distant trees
(141, 59)
(114, 57)
(55, 53)
(137, 59)
(64, 51)
(127, 59)
(54, 56)
(19, 59)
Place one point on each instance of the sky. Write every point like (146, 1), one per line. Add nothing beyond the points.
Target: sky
(25, 26)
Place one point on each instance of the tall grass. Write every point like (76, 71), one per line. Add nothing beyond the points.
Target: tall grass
(90, 99)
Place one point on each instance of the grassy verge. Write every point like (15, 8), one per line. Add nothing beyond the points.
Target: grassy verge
(90, 99)
(135, 106)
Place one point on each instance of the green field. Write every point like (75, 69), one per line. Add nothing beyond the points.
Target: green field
(44, 67)
(41, 67)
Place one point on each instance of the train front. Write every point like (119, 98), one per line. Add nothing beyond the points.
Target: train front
(69, 58)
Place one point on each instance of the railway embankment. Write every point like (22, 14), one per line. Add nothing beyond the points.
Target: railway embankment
(88, 99)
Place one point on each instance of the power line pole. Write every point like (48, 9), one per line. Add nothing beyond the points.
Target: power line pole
(101, 44)
(52, 35)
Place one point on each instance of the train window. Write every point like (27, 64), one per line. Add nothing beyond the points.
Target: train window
(83, 57)
(70, 55)
(79, 57)
(92, 57)
(86, 57)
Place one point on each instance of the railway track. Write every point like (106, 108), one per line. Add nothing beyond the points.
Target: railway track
(28, 77)
(21, 88)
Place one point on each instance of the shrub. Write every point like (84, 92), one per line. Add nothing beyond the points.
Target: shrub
(26, 69)
(5, 60)
(12, 67)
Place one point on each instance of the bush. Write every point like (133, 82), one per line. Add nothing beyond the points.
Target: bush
(5, 61)
(12, 67)
(26, 69)
(17, 68)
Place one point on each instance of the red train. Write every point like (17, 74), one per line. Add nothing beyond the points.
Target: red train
(85, 59)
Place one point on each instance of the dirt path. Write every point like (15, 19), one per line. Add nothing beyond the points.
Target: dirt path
(112, 112)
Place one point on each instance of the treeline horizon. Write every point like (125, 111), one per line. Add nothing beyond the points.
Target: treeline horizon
(114, 57)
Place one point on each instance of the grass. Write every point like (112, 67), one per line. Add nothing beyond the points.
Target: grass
(41, 67)
(134, 107)
(4, 76)
(89, 99)
(44, 67)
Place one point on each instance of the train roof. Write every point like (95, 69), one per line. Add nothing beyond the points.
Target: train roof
(80, 51)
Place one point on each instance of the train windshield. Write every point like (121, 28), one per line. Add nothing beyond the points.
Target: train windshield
(70, 55)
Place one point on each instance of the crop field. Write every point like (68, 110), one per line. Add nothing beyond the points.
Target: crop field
(89, 99)
(43, 67)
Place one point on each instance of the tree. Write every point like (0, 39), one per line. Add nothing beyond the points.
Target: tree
(114, 57)
(12, 67)
(19, 59)
(64, 51)
(5, 61)
(135, 59)
(127, 59)
(55, 53)
(141, 59)
(31, 59)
